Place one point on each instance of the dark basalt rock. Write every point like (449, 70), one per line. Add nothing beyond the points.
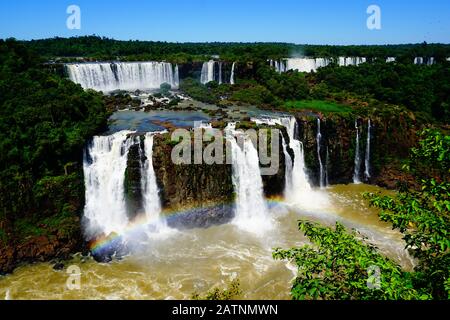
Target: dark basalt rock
(202, 217)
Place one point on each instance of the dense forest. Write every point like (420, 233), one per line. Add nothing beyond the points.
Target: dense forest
(99, 48)
(45, 121)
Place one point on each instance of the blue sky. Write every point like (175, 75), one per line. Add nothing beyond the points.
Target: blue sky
(297, 21)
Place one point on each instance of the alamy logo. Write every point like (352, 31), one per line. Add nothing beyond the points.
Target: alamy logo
(374, 278)
(74, 20)
(374, 20)
(213, 146)
(73, 282)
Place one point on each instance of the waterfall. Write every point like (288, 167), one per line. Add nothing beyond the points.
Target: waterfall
(177, 77)
(303, 64)
(367, 159)
(319, 157)
(150, 190)
(251, 208)
(123, 75)
(220, 72)
(297, 180)
(104, 165)
(356, 178)
(327, 162)
(232, 80)
(207, 74)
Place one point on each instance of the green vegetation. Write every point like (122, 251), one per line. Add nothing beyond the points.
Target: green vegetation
(232, 292)
(317, 105)
(45, 121)
(107, 49)
(424, 216)
(337, 264)
(422, 89)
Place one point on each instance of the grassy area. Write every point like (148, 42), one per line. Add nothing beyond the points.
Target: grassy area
(317, 105)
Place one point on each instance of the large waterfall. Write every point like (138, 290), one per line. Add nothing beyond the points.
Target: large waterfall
(308, 64)
(356, 178)
(251, 207)
(367, 159)
(322, 182)
(123, 75)
(215, 71)
(105, 163)
(207, 74)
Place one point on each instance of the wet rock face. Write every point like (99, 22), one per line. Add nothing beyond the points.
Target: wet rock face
(133, 189)
(57, 243)
(189, 185)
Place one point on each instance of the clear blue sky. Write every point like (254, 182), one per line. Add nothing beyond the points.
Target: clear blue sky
(297, 21)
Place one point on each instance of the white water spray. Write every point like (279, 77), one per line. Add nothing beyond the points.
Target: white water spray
(104, 171)
(319, 157)
(356, 178)
(367, 159)
(251, 207)
(232, 77)
(207, 74)
(123, 75)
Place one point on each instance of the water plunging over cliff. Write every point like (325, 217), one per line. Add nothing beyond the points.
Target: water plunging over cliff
(322, 182)
(207, 74)
(150, 191)
(367, 159)
(232, 77)
(251, 209)
(104, 167)
(123, 75)
(356, 178)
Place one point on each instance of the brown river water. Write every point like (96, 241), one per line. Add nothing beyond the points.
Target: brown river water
(197, 260)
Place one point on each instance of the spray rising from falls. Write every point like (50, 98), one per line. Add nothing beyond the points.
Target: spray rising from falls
(123, 75)
(251, 208)
(104, 170)
(321, 169)
(356, 178)
(367, 160)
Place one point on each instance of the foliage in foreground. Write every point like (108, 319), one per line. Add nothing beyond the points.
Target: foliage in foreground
(424, 216)
(339, 266)
(44, 123)
(232, 292)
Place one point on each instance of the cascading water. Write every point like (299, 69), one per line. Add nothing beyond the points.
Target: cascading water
(220, 72)
(251, 207)
(123, 75)
(232, 77)
(150, 190)
(207, 74)
(367, 159)
(356, 178)
(104, 167)
(177, 77)
(319, 157)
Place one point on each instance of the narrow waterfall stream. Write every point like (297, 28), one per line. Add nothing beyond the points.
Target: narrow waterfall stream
(232, 77)
(367, 159)
(357, 169)
(322, 178)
